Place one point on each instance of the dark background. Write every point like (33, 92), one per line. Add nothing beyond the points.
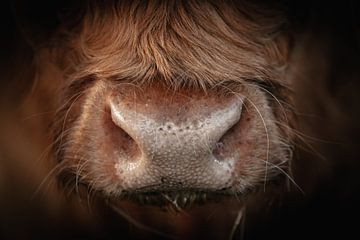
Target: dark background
(327, 95)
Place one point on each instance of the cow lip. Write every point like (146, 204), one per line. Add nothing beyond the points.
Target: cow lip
(186, 198)
(177, 199)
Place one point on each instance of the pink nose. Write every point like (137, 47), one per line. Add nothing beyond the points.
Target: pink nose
(174, 142)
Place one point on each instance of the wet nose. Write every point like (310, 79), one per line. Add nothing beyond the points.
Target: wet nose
(173, 142)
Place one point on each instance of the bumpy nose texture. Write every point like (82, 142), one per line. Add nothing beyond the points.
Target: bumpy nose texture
(176, 141)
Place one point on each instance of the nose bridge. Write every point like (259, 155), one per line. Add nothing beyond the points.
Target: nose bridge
(162, 137)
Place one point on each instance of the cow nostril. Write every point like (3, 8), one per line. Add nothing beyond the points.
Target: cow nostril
(128, 146)
(222, 145)
(122, 142)
(217, 149)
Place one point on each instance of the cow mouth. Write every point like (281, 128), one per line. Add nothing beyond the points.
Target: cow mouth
(187, 198)
(179, 200)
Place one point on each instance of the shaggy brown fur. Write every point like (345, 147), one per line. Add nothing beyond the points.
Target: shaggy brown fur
(182, 42)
